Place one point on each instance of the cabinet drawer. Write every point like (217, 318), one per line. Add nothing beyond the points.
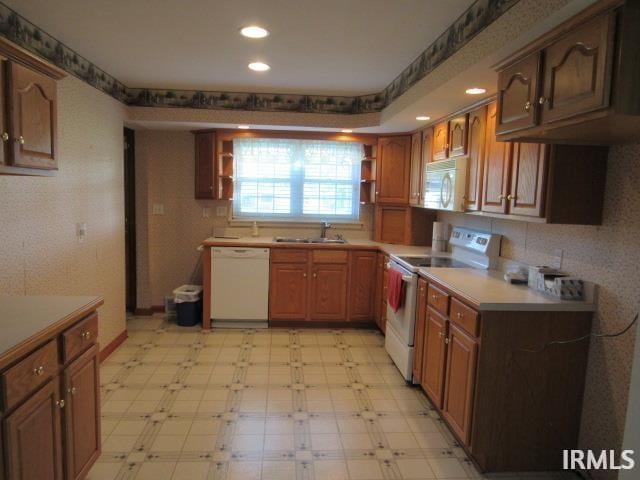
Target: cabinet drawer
(329, 256)
(288, 255)
(438, 299)
(80, 337)
(28, 374)
(465, 317)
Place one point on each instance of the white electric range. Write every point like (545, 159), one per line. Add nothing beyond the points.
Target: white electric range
(469, 249)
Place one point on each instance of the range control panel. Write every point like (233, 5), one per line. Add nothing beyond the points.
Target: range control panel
(473, 241)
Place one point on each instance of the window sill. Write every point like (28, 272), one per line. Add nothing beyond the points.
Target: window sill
(236, 222)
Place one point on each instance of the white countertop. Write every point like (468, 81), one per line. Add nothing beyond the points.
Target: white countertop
(487, 290)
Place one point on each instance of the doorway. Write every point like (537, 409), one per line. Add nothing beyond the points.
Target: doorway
(130, 218)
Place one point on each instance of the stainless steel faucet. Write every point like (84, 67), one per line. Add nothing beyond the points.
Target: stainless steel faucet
(324, 226)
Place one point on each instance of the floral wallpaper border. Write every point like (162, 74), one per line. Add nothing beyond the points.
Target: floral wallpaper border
(475, 19)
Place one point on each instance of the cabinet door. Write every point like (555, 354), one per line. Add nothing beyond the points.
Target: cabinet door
(427, 153)
(458, 136)
(385, 283)
(440, 149)
(416, 171)
(577, 71)
(477, 127)
(434, 356)
(419, 333)
(82, 413)
(528, 175)
(394, 156)
(496, 168)
(362, 285)
(391, 224)
(33, 118)
(328, 292)
(33, 446)
(4, 133)
(460, 380)
(205, 165)
(288, 291)
(518, 95)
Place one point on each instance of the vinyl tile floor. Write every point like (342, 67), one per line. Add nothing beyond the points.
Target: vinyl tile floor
(278, 404)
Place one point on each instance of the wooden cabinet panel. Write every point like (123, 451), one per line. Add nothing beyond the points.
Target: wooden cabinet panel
(577, 70)
(33, 446)
(289, 255)
(496, 168)
(390, 224)
(385, 283)
(362, 285)
(528, 174)
(205, 180)
(4, 131)
(328, 292)
(438, 299)
(394, 157)
(416, 169)
(434, 356)
(33, 118)
(518, 95)
(465, 317)
(440, 149)
(460, 380)
(82, 414)
(458, 136)
(427, 149)
(79, 337)
(329, 256)
(288, 291)
(475, 164)
(419, 334)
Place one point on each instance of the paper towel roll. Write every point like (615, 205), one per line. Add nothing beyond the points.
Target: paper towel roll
(440, 237)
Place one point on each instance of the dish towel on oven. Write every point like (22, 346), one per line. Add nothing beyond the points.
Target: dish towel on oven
(394, 289)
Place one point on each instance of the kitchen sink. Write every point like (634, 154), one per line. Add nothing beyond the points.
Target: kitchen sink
(310, 240)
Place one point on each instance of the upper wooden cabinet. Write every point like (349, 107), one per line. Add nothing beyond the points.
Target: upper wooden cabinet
(205, 174)
(576, 84)
(415, 176)
(403, 225)
(457, 144)
(477, 133)
(440, 149)
(426, 155)
(496, 167)
(394, 160)
(28, 113)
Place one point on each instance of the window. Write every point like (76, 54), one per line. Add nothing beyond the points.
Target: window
(296, 179)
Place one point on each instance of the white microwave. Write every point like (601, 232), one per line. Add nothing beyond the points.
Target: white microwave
(445, 184)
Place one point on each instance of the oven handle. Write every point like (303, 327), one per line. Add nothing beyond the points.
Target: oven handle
(405, 278)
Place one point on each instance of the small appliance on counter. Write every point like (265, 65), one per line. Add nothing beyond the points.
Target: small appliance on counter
(553, 282)
(440, 237)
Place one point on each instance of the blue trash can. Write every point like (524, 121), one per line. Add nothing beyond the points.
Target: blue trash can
(188, 300)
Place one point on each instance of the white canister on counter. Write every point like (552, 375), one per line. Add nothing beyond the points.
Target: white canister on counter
(440, 237)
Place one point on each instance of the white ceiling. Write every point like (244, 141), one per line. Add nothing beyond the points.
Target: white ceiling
(337, 47)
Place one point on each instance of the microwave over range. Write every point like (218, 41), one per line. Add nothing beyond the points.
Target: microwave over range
(445, 184)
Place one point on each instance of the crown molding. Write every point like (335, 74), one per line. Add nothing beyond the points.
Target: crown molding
(30, 37)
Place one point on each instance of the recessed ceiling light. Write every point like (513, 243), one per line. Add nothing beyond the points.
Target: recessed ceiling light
(243, 127)
(259, 67)
(475, 91)
(346, 130)
(423, 118)
(254, 31)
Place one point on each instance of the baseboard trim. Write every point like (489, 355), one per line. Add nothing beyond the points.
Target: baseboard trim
(149, 311)
(115, 343)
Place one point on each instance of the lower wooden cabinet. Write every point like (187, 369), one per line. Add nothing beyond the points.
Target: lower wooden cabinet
(328, 292)
(33, 443)
(288, 288)
(418, 344)
(380, 303)
(81, 420)
(362, 285)
(462, 351)
(434, 356)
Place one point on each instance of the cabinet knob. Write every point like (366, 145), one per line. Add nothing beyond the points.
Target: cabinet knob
(304, 275)
(85, 335)
(446, 341)
(60, 403)
(5, 137)
(542, 100)
(434, 297)
(501, 197)
(20, 140)
(377, 192)
(511, 197)
(38, 371)
(71, 390)
(210, 187)
(315, 274)
(527, 106)
(459, 315)
(440, 334)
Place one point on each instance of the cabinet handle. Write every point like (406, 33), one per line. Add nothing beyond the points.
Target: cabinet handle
(304, 275)
(315, 274)
(20, 140)
(527, 106)
(210, 187)
(38, 371)
(434, 297)
(459, 315)
(446, 341)
(60, 403)
(5, 137)
(542, 100)
(511, 197)
(501, 197)
(440, 334)
(377, 192)
(71, 390)
(85, 335)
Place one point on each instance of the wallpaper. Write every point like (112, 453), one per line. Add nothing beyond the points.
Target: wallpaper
(40, 254)
(607, 255)
(166, 244)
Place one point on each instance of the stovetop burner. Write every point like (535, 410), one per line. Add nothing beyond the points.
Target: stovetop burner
(438, 262)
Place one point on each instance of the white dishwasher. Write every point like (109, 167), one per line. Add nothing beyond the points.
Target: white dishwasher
(239, 287)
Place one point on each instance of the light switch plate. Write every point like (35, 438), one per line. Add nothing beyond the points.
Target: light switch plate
(206, 212)
(221, 211)
(81, 231)
(158, 209)
(558, 253)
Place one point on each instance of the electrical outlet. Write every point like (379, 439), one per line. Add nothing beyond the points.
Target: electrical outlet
(158, 209)
(81, 231)
(221, 211)
(558, 253)
(206, 212)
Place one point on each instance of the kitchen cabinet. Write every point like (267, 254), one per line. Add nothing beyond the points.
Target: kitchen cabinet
(393, 170)
(403, 225)
(419, 333)
(528, 174)
(28, 112)
(460, 378)
(577, 84)
(434, 356)
(427, 149)
(440, 149)
(205, 174)
(475, 164)
(416, 169)
(81, 422)
(328, 292)
(363, 267)
(288, 290)
(457, 142)
(496, 167)
(381, 290)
